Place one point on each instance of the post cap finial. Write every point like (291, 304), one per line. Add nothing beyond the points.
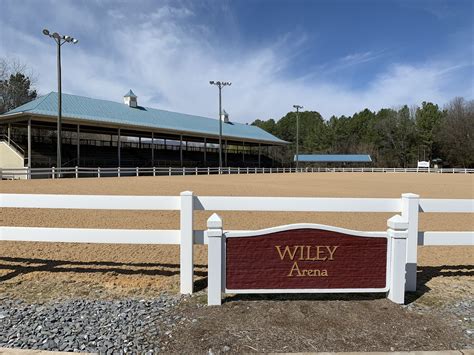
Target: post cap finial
(397, 222)
(410, 195)
(214, 222)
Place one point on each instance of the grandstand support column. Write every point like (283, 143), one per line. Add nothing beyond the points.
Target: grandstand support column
(9, 132)
(243, 151)
(181, 149)
(152, 149)
(259, 155)
(118, 147)
(205, 150)
(29, 142)
(78, 146)
(225, 151)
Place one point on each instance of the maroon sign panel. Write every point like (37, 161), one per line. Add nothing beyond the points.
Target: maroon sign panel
(305, 258)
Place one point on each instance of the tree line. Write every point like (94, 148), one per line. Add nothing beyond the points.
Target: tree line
(393, 137)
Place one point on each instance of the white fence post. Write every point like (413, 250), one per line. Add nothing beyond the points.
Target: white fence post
(169, 171)
(77, 173)
(118, 171)
(53, 173)
(196, 170)
(154, 171)
(136, 169)
(410, 206)
(98, 172)
(208, 170)
(398, 233)
(215, 263)
(186, 245)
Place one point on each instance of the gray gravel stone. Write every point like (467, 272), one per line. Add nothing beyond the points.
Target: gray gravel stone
(124, 326)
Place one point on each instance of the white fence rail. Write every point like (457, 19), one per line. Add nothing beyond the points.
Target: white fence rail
(409, 205)
(77, 172)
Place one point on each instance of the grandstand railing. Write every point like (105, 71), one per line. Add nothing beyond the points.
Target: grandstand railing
(12, 143)
(146, 144)
(77, 172)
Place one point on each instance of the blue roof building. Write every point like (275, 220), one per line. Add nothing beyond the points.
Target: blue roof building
(333, 158)
(103, 113)
(102, 117)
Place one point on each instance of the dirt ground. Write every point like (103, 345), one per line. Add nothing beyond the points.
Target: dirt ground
(42, 272)
(312, 323)
(50, 270)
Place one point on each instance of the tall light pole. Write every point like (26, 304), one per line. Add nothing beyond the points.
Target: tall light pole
(60, 40)
(297, 107)
(220, 85)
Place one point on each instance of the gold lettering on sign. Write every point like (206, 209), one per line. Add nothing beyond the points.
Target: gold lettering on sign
(307, 252)
(296, 271)
(297, 253)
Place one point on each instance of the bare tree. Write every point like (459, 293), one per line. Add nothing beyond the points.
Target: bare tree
(16, 84)
(457, 133)
(11, 66)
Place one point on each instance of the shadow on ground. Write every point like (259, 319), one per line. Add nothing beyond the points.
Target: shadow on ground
(22, 266)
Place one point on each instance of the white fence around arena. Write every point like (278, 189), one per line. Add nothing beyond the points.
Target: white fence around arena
(77, 172)
(409, 205)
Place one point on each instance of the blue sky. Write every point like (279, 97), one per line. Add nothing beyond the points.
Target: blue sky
(335, 57)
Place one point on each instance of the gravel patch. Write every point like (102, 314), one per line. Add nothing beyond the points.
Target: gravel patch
(104, 326)
(460, 311)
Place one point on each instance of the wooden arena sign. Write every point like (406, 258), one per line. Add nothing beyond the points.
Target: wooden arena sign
(304, 258)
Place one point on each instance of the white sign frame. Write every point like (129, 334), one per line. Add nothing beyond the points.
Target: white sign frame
(395, 270)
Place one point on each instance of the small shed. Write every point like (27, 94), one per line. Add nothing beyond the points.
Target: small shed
(333, 158)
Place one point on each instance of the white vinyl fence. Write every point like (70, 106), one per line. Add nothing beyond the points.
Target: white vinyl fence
(78, 172)
(409, 206)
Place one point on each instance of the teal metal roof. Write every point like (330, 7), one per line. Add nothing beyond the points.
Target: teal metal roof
(88, 109)
(334, 158)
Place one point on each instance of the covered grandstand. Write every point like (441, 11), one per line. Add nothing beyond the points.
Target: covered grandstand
(112, 134)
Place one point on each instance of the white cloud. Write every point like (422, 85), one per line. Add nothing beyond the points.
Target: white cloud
(168, 61)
